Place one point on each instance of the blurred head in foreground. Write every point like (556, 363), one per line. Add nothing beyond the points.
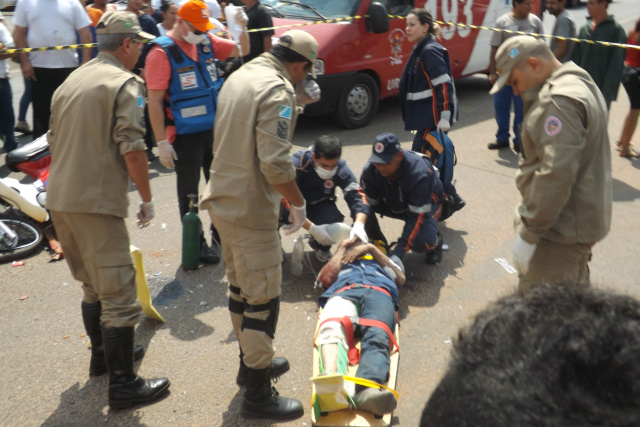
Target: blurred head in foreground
(560, 355)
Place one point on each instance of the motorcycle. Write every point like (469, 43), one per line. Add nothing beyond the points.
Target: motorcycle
(24, 219)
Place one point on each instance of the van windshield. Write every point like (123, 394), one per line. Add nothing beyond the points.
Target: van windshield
(312, 10)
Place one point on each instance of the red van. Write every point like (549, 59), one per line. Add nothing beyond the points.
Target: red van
(360, 60)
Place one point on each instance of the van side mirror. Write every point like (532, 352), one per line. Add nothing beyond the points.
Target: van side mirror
(378, 20)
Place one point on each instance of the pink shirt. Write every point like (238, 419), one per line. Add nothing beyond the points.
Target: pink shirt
(158, 67)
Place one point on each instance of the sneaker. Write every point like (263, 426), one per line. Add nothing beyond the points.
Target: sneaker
(323, 256)
(208, 255)
(22, 127)
(434, 256)
(498, 145)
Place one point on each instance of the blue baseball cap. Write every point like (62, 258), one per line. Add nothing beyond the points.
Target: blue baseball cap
(385, 147)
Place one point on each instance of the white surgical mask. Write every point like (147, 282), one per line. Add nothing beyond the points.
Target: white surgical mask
(193, 38)
(325, 174)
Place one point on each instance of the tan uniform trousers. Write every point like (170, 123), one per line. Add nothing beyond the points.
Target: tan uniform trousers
(96, 248)
(553, 262)
(252, 261)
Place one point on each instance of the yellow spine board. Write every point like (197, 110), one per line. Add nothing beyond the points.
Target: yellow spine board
(142, 286)
(352, 417)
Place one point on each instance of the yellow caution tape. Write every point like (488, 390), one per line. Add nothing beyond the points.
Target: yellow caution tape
(346, 19)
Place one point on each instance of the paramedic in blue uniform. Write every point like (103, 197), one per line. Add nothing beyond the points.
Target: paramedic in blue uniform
(404, 185)
(183, 84)
(361, 282)
(428, 93)
(319, 170)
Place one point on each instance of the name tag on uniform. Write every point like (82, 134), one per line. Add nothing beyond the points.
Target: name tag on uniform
(200, 110)
(188, 80)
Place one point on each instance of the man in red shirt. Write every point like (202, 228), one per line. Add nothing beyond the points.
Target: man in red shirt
(183, 84)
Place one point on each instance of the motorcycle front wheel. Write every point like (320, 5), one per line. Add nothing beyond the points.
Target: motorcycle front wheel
(28, 238)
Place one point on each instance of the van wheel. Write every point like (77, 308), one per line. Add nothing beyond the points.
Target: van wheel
(358, 102)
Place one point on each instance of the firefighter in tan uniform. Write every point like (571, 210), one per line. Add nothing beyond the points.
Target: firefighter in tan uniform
(251, 172)
(564, 172)
(96, 137)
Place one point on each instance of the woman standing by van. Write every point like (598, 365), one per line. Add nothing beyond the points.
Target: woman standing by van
(427, 92)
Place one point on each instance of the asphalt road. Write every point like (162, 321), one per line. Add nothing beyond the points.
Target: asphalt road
(44, 356)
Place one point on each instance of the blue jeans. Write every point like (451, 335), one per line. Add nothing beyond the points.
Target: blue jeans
(25, 101)
(502, 104)
(374, 344)
(6, 116)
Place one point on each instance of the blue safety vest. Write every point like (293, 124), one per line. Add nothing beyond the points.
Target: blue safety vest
(193, 87)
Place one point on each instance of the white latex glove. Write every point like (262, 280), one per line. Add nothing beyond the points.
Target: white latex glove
(358, 231)
(145, 214)
(167, 154)
(307, 92)
(444, 125)
(522, 253)
(319, 232)
(241, 17)
(297, 216)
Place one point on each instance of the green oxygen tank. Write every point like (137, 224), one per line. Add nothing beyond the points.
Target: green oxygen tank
(191, 230)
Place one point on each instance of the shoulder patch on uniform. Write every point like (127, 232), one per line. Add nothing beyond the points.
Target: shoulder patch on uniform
(552, 126)
(285, 112)
(283, 129)
(140, 101)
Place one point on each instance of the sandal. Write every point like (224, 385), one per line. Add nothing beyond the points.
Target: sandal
(628, 152)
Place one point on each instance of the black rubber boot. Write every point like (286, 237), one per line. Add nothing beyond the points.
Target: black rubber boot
(125, 387)
(91, 318)
(262, 401)
(279, 366)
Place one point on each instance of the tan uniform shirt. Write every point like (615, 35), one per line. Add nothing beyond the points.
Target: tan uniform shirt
(97, 116)
(255, 118)
(565, 164)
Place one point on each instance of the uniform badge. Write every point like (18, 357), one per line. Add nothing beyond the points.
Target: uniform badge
(552, 126)
(285, 112)
(206, 49)
(188, 80)
(378, 147)
(140, 101)
(514, 52)
(329, 184)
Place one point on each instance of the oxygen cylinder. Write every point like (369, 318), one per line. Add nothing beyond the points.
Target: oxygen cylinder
(191, 230)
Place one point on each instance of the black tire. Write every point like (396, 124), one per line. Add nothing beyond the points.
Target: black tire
(358, 102)
(29, 237)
